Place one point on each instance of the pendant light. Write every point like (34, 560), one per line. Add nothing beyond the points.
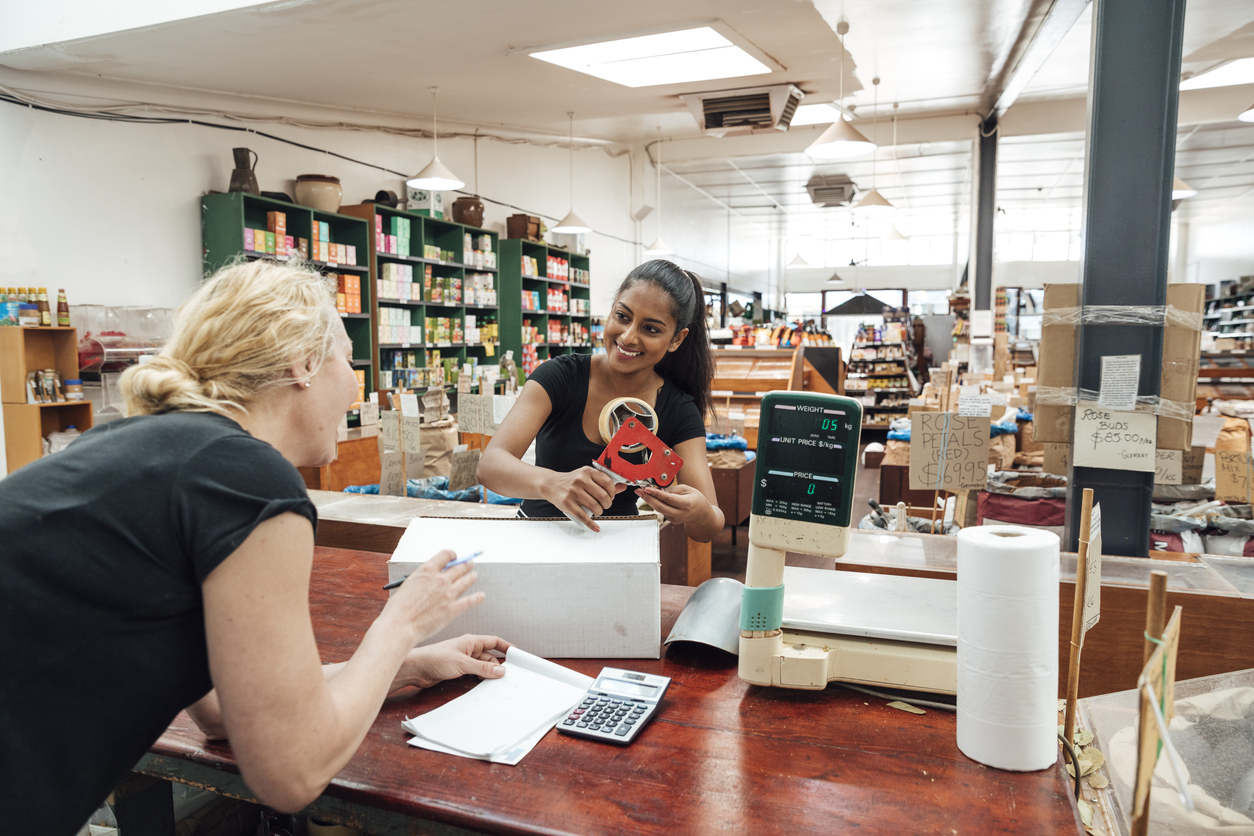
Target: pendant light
(658, 247)
(873, 200)
(571, 224)
(798, 261)
(893, 233)
(1247, 115)
(841, 140)
(436, 177)
(1180, 189)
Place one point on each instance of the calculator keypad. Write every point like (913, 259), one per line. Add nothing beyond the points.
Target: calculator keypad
(609, 718)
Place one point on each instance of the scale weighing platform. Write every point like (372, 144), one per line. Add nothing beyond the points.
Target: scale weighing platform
(829, 625)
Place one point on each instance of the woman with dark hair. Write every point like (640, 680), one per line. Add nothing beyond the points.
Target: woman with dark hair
(657, 350)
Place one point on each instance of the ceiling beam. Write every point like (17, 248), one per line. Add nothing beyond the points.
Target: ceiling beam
(1036, 42)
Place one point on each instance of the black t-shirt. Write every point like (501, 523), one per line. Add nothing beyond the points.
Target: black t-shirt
(103, 549)
(563, 446)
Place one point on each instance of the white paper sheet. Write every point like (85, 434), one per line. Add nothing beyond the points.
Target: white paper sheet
(500, 720)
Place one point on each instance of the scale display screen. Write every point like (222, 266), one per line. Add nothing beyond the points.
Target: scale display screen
(807, 449)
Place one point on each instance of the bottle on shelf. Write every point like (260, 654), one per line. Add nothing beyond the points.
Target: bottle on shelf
(22, 296)
(63, 309)
(45, 313)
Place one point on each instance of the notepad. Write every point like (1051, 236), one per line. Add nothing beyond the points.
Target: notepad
(501, 720)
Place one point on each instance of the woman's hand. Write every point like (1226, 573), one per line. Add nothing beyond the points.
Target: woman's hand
(432, 664)
(581, 494)
(430, 597)
(682, 504)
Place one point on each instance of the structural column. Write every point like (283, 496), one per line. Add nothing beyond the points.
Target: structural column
(1133, 94)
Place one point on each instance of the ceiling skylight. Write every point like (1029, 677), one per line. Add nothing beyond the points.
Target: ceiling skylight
(1240, 71)
(815, 114)
(699, 54)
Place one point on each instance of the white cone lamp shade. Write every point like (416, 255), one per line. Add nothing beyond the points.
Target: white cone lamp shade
(572, 224)
(659, 247)
(436, 177)
(798, 261)
(1180, 189)
(894, 234)
(841, 141)
(1247, 115)
(873, 201)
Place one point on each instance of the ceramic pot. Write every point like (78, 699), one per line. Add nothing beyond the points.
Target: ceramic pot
(319, 191)
(468, 210)
(244, 176)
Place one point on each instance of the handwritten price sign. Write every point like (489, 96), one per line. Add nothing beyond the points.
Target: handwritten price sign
(948, 451)
(1233, 476)
(1115, 440)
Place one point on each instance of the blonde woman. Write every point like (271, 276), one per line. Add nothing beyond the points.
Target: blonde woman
(162, 562)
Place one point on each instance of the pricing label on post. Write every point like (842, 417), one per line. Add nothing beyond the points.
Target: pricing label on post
(1114, 440)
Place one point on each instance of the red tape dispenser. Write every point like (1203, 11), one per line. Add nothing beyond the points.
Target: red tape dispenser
(660, 468)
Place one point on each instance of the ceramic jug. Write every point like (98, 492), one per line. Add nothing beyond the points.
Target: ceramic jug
(244, 177)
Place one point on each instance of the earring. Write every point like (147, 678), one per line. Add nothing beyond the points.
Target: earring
(308, 384)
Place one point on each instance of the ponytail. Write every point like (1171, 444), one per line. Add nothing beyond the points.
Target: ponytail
(691, 366)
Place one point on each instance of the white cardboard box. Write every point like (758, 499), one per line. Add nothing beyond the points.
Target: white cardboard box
(553, 588)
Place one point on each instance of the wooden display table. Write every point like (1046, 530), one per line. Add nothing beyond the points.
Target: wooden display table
(721, 757)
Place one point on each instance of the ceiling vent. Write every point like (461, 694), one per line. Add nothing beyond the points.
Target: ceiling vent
(836, 190)
(746, 111)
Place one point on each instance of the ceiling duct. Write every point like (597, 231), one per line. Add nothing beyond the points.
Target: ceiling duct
(745, 111)
(836, 190)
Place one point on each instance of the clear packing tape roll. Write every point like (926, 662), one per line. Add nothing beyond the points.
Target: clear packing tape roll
(1008, 646)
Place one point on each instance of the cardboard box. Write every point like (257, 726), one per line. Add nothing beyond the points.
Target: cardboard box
(425, 202)
(1057, 459)
(1182, 348)
(1056, 359)
(552, 587)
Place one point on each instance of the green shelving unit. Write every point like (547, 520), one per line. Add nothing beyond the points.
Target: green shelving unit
(223, 218)
(514, 281)
(448, 237)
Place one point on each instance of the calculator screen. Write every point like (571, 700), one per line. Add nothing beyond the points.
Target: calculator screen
(634, 689)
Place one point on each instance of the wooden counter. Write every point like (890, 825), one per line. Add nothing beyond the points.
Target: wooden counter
(721, 757)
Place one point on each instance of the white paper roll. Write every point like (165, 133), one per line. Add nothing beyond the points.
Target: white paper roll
(1008, 646)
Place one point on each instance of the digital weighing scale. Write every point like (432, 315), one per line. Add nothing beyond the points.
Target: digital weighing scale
(872, 629)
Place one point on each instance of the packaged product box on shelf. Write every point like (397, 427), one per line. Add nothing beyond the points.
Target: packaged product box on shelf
(248, 239)
(425, 202)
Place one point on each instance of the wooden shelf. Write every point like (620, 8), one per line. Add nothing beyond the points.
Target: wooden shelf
(24, 350)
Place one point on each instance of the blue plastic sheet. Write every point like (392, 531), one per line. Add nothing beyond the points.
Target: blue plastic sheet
(715, 441)
(437, 488)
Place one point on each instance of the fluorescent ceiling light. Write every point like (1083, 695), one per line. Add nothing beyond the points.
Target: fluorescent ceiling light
(668, 58)
(815, 114)
(1240, 71)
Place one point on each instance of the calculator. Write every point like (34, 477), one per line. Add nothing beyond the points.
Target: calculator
(618, 705)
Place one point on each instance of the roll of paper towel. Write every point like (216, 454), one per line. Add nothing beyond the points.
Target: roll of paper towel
(1008, 646)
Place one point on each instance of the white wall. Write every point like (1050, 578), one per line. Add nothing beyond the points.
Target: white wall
(1220, 251)
(111, 212)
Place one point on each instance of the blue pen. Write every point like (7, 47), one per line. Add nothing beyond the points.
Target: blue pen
(456, 562)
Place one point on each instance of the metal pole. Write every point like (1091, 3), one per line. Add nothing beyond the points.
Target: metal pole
(986, 211)
(1133, 95)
